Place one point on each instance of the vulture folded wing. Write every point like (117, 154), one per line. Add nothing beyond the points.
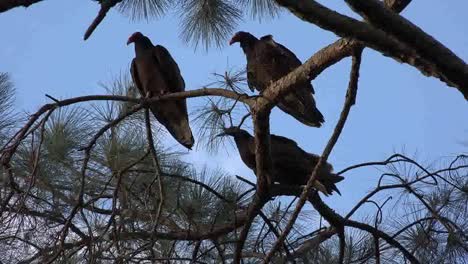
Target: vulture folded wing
(289, 60)
(289, 161)
(300, 102)
(169, 69)
(284, 140)
(251, 80)
(136, 78)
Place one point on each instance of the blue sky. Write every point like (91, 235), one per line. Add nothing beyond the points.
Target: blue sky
(397, 107)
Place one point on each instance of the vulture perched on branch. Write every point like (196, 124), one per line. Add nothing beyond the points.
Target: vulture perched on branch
(268, 61)
(291, 164)
(155, 73)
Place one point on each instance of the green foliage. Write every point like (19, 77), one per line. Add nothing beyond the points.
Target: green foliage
(203, 22)
(143, 9)
(208, 21)
(7, 117)
(217, 114)
(260, 9)
(65, 130)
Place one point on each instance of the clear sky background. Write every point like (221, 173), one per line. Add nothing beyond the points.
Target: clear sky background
(397, 107)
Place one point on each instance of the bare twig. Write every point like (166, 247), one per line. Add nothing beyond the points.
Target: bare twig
(157, 167)
(350, 99)
(87, 156)
(275, 231)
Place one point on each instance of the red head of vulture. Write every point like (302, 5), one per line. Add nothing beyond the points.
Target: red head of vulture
(291, 164)
(268, 61)
(155, 73)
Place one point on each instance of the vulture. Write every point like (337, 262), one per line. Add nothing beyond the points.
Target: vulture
(155, 73)
(291, 164)
(268, 61)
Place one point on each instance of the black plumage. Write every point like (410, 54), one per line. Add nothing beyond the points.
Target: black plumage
(268, 61)
(155, 73)
(291, 164)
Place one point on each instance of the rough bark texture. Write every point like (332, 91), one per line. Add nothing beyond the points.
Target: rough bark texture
(377, 39)
(447, 63)
(323, 59)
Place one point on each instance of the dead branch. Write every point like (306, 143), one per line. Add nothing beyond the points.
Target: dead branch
(6, 5)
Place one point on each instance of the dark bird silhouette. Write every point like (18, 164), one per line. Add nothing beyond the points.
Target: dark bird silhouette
(268, 61)
(155, 73)
(291, 164)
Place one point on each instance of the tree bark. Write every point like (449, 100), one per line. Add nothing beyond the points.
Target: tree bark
(379, 40)
(6, 5)
(451, 66)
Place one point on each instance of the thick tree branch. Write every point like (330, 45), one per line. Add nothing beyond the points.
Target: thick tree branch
(396, 5)
(263, 169)
(379, 40)
(454, 68)
(6, 5)
(321, 60)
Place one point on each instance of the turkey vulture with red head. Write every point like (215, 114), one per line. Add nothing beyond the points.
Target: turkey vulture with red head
(268, 61)
(291, 164)
(155, 73)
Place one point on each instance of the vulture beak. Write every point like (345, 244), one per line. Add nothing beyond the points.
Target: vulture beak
(130, 40)
(233, 40)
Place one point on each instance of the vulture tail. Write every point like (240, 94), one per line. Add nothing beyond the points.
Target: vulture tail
(329, 184)
(305, 112)
(174, 117)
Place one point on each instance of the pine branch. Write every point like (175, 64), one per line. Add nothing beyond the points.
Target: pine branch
(451, 67)
(6, 5)
(381, 41)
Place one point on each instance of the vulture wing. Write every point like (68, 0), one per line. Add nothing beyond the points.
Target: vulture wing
(289, 163)
(273, 61)
(169, 69)
(136, 78)
(155, 72)
(294, 166)
(251, 78)
(292, 60)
